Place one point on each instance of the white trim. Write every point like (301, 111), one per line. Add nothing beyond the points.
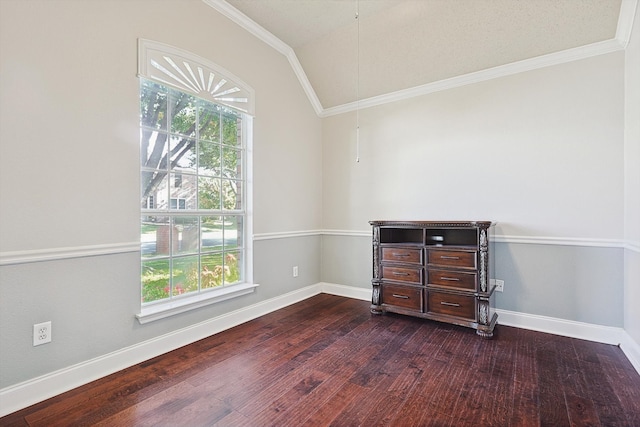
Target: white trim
(305, 83)
(247, 131)
(568, 328)
(631, 349)
(350, 233)
(623, 33)
(172, 66)
(586, 331)
(19, 396)
(530, 240)
(632, 246)
(249, 25)
(162, 310)
(562, 241)
(16, 397)
(261, 33)
(625, 21)
(286, 234)
(346, 291)
(543, 61)
(53, 254)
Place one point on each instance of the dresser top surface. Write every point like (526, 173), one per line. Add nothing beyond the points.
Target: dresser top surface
(431, 224)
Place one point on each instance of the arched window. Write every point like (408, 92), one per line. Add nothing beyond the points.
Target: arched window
(195, 134)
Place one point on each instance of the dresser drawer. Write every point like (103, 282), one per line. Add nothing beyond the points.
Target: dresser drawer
(402, 274)
(445, 258)
(451, 304)
(402, 296)
(454, 279)
(406, 255)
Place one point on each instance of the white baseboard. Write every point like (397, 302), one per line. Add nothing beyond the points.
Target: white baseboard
(631, 349)
(27, 393)
(19, 396)
(346, 291)
(568, 328)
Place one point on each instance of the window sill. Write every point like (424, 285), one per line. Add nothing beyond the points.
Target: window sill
(163, 310)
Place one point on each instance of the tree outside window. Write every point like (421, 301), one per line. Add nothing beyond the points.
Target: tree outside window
(192, 194)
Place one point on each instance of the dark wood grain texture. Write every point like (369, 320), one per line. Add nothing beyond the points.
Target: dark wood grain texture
(435, 270)
(327, 361)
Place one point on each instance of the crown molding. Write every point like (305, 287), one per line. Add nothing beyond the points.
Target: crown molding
(625, 21)
(623, 33)
(543, 61)
(249, 24)
(261, 33)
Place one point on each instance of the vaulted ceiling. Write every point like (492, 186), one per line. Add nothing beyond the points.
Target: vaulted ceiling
(404, 46)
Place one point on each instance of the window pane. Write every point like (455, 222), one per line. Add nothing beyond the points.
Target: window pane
(230, 129)
(209, 161)
(154, 190)
(191, 159)
(153, 150)
(211, 233)
(209, 123)
(153, 106)
(155, 236)
(230, 198)
(208, 193)
(183, 154)
(188, 234)
(182, 191)
(185, 275)
(183, 113)
(232, 162)
(212, 270)
(155, 280)
(232, 231)
(152, 183)
(232, 267)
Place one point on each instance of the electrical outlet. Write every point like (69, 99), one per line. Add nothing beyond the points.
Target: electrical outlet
(499, 285)
(41, 333)
(295, 271)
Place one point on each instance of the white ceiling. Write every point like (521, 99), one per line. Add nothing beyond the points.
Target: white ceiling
(397, 45)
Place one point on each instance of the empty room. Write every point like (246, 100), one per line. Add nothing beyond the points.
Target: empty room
(319, 212)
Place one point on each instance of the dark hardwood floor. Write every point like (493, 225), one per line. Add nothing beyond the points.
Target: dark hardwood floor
(328, 361)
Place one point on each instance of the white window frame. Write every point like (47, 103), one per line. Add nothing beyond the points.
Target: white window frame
(174, 67)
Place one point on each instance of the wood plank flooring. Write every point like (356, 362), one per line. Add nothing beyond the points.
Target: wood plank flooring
(327, 361)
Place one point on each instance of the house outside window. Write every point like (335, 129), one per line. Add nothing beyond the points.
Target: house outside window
(193, 176)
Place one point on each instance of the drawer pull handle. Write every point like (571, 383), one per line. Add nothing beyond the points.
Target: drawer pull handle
(399, 255)
(449, 257)
(452, 304)
(395, 273)
(400, 296)
(450, 279)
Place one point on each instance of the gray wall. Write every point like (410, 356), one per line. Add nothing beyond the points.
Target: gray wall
(632, 184)
(577, 283)
(582, 284)
(544, 153)
(92, 303)
(69, 172)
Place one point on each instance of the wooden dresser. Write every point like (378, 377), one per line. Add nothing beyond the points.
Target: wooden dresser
(439, 270)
